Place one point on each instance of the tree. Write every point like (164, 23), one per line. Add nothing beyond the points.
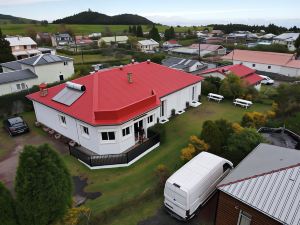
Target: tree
(130, 29)
(7, 206)
(297, 45)
(31, 32)
(212, 136)
(134, 30)
(232, 86)
(170, 34)
(44, 23)
(43, 186)
(242, 143)
(132, 40)
(154, 34)
(139, 31)
(188, 153)
(5, 50)
(162, 173)
(254, 119)
(198, 144)
(226, 130)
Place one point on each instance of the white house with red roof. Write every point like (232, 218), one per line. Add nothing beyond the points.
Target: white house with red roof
(108, 113)
(245, 73)
(266, 62)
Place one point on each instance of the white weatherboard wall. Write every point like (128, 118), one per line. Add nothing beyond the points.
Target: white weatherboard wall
(11, 87)
(50, 73)
(287, 71)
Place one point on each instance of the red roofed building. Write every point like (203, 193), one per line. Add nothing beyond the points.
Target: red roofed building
(245, 73)
(270, 62)
(108, 112)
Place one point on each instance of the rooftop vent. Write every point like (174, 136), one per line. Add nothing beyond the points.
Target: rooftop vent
(148, 61)
(132, 61)
(121, 67)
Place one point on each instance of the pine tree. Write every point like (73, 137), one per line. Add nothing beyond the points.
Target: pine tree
(154, 34)
(134, 30)
(167, 35)
(5, 50)
(212, 136)
(130, 29)
(43, 186)
(7, 207)
(172, 33)
(139, 31)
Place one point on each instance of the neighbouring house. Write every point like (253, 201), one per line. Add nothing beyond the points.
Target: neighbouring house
(266, 63)
(148, 45)
(268, 37)
(62, 39)
(205, 49)
(217, 33)
(171, 44)
(213, 40)
(113, 40)
(246, 74)
(186, 65)
(287, 39)
(47, 50)
(108, 113)
(23, 74)
(44, 38)
(22, 47)
(241, 36)
(201, 34)
(262, 190)
(209, 49)
(83, 40)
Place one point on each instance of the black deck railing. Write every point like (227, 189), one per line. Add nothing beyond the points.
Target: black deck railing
(114, 159)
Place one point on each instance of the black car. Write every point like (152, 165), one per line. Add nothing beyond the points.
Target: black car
(15, 125)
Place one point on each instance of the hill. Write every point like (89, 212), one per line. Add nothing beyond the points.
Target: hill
(5, 19)
(90, 17)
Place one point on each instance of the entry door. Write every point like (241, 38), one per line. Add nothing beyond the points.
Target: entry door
(137, 126)
(61, 77)
(193, 93)
(163, 109)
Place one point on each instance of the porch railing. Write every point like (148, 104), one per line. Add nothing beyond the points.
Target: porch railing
(114, 159)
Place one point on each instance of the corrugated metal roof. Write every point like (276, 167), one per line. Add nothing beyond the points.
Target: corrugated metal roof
(14, 65)
(269, 182)
(15, 41)
(16, 76)
(148, 42)
(181, 63)
(44, 59)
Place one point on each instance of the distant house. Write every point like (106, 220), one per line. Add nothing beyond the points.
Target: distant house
(63, 39)
(23, 74)
(148, 45)
(266, 62)
(187, 65)
(268, 37)
(205, 49)
(246, 74)
(83, 40)
(23, 47)
(217, 33)
(113, 39)
(213, 40)
(44, 38)
(287, 39)
(241, 36)
(171, 44)
(95, 35)
(262, 190)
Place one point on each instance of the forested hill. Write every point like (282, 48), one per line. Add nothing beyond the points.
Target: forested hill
(5, 19)
(90, 17)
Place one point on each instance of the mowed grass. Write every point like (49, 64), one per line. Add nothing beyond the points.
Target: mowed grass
(97, 58)
(123, 184)
(79, 29)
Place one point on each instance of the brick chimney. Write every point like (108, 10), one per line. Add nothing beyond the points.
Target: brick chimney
(129, 77)
(43, 89)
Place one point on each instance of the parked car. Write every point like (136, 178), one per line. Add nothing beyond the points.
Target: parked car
(266, 80)
(193, 184)
(15, 125)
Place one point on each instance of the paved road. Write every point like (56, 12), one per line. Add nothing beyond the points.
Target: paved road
(205, 216)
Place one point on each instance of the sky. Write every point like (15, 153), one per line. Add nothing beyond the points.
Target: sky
(169, 12)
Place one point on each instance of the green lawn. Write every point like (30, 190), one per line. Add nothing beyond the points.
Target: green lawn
(97, 58)
(13, 29)
(123, 184)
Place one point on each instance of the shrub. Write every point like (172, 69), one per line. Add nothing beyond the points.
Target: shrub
(212, 136)
(254, 120)
(7, 206)
(188, 153)
(173, 112)
(158, 129)
(162, 173)
(237, 128)
(43, 186)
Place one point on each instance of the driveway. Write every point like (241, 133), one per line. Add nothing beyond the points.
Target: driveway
(204, 216)
(9, 163)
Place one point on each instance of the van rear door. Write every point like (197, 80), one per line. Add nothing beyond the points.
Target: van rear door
(176, 200)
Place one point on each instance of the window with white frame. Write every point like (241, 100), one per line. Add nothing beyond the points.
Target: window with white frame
(125, 131)
(21, 86)
(150, 119)
(108, 136)
(244, 218)
(62, 120)
(85, 131)
(65, 63)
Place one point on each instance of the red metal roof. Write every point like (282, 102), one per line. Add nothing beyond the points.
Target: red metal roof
(173, 42)
(245, 73)
(270, 58)
(109, 97)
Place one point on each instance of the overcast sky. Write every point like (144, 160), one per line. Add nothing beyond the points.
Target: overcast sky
(171, 12)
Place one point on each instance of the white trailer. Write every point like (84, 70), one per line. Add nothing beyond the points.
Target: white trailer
(193, 184)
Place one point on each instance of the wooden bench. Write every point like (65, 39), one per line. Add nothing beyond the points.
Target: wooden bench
(215, 97)
(242, 102)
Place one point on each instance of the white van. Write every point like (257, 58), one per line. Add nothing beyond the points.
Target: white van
(194, 183)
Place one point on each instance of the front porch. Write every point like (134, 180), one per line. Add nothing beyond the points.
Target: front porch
(95, 161)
